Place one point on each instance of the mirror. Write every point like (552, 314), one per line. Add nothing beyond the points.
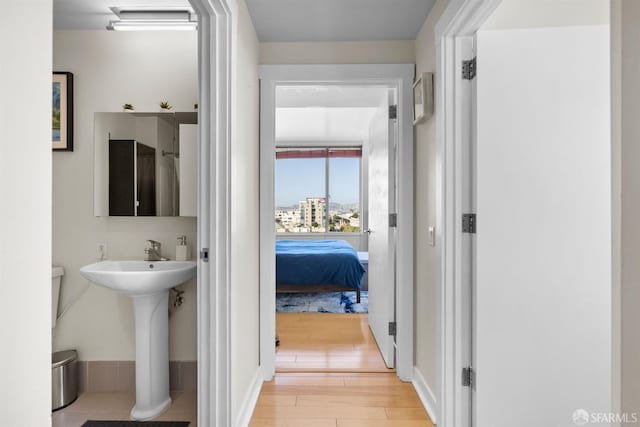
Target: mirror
(145, 164)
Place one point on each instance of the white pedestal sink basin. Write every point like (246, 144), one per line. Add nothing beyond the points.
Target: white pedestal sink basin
(148, 284)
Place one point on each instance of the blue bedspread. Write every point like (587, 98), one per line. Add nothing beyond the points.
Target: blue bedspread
(317, 262)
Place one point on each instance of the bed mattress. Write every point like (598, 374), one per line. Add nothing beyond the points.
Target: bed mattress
(317, 262)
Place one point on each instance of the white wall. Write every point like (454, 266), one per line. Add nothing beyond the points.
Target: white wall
(380, 52)
(630, 127)
(543, 266)
(25, 222)
(245, 249)
(426, 258)
(110, 69)
(512, 14)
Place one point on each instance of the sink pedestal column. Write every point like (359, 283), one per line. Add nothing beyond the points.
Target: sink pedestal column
(152, 355)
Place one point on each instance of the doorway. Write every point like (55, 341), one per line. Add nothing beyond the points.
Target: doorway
(334, 182)
(299, 90)
(513, 155)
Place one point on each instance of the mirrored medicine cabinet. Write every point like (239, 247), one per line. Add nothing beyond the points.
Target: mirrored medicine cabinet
(145, 164)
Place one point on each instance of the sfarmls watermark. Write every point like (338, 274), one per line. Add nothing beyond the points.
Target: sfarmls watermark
(582, 417)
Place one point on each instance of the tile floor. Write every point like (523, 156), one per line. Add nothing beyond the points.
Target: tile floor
(117, 405)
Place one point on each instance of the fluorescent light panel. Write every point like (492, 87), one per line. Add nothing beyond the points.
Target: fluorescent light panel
(152, 26)
(153, 20)
(154, 15)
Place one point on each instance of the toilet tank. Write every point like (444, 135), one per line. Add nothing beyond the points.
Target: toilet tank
(56, 275)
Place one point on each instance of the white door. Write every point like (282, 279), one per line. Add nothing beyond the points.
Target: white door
(543, 259)
(381, 236)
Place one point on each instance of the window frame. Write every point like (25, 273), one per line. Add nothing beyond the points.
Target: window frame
(327, 145)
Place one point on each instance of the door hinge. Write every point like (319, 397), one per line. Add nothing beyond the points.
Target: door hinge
(392, 328)
(469, 69)
(393, 220)
(469, 223)
(468, 377)
(393, 112)
(204, 254)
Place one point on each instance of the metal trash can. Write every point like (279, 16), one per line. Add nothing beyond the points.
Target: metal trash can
(64, 378)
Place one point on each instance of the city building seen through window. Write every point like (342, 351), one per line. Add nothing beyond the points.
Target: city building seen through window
(317, 190)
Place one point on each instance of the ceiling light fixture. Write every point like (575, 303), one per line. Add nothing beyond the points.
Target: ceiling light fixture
(153, 20)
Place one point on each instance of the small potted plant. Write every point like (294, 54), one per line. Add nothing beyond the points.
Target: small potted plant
(127, 107)
(165, 106)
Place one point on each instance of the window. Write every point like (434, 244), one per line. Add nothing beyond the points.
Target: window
(317, 190)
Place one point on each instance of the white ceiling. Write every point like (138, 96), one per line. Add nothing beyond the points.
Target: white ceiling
(279, 20)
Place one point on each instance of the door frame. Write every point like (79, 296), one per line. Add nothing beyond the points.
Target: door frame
(393, 75)
(216, 39)
(461, 19)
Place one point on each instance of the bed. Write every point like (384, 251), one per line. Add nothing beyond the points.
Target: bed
(317, 266)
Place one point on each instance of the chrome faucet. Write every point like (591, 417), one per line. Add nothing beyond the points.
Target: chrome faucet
(153, 252)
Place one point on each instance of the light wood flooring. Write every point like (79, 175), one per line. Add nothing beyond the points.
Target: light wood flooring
(330, 373)
(339, 400)
(324, 342)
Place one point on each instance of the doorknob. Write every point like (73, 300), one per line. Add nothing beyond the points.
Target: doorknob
(368, 231)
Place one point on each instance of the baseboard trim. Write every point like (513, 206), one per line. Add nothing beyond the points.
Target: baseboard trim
(120, 375)
(425, 394)
(249, 403)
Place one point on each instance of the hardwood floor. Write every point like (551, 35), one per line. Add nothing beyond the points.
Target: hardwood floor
(339, 400)
(330, 373)
(324, 342)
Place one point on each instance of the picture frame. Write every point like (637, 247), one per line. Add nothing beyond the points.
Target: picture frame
(423, 98)
(62, 111)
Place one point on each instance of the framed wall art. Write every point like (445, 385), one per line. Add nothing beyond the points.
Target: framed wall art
(62, 111)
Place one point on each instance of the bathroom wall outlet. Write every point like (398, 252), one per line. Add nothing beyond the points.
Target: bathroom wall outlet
(102, 251)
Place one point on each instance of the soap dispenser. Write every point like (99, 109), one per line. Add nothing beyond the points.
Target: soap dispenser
(182, 250)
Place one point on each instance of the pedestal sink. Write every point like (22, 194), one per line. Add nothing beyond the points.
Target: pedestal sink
(147, 283)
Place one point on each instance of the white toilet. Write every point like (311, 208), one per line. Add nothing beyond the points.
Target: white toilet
(64, 364)
(56, 275)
